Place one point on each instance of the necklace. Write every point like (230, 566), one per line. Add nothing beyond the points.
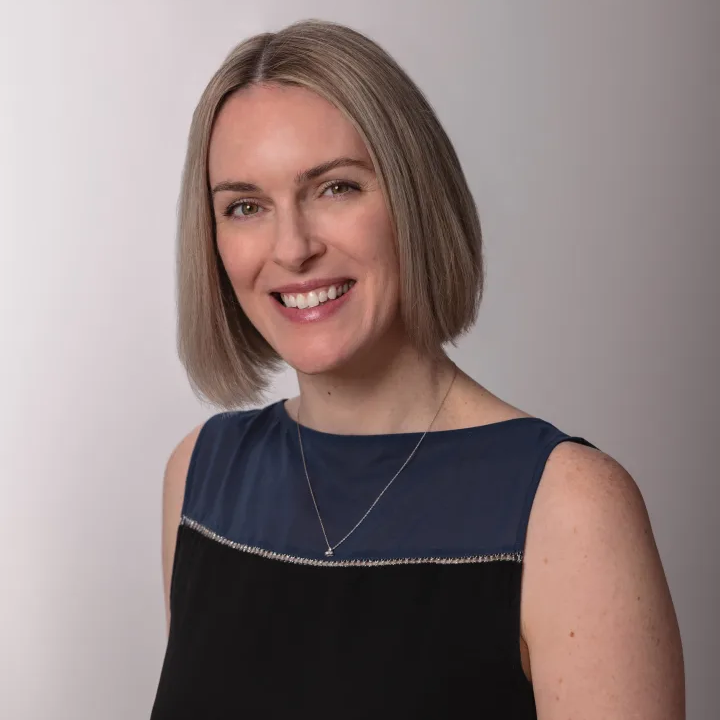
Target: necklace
(331, 548)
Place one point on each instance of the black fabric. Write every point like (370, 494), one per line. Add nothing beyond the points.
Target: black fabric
(259, 637)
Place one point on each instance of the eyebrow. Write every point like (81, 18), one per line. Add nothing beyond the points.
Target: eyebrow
(301, 177)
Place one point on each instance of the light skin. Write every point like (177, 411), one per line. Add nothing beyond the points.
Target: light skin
(336, 224)
(599, 635)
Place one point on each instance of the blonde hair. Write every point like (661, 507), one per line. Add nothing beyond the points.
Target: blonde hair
(437, 229)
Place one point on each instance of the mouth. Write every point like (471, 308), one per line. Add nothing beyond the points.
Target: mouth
(315, 297)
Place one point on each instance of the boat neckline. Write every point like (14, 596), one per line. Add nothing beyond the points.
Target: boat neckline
(287, 420)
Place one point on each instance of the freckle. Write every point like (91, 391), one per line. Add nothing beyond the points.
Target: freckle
(575, 529)
(572, 633)
(545, 560)
(560, 680)
(557, 697)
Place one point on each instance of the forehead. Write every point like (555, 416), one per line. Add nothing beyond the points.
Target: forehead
(266, 133)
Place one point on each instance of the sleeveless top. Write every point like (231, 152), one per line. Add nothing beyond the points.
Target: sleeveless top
(417, 614)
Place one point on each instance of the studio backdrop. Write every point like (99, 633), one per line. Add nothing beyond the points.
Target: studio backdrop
(588, 132)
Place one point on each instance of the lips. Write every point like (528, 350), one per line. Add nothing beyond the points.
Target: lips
(305, 286)
(315, 297)
(320, 303)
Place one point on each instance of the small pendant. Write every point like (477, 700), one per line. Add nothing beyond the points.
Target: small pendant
(329, 552)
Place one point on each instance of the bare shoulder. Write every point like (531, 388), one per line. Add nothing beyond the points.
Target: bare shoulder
(582, 478)
(177, 465)
(176, 470)
(596, 610)
(582, 489)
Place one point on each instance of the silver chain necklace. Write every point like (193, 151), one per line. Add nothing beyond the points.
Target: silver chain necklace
(331, 548)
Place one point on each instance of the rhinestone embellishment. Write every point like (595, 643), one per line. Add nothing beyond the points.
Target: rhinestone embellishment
(272, 555)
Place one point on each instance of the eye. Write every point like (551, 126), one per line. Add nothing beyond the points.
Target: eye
(247, 209)
(340, 185)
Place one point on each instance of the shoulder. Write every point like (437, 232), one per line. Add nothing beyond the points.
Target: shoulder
(596, 611)
(177, 468)
(215, 429)
(174, 480)
(586, 503)
(584, 483)
(177, 465)
(219, 434)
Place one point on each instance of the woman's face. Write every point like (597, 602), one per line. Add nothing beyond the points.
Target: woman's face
(302, 227)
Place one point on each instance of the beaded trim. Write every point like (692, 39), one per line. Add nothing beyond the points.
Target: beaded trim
(272, 555)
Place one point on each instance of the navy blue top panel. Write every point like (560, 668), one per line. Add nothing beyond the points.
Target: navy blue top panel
(465, 492)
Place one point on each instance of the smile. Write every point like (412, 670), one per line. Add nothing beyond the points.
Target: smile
(316, 297)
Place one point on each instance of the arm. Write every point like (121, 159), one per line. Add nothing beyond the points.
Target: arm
(596, 610)
(173, 491)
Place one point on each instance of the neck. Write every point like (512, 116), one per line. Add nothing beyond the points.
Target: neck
(400, 393)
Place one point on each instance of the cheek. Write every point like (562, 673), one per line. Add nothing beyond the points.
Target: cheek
(241, 262)
(369, 239)
(384, 258)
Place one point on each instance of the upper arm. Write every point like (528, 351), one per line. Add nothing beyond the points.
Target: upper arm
(176, 471)
(596, 610)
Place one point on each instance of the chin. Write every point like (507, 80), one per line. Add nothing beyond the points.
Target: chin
(324, 353)
(313, 363)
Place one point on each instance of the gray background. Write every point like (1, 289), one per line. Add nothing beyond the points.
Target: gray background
(589, 134)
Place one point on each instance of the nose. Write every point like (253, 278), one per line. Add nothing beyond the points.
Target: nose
(295, 244)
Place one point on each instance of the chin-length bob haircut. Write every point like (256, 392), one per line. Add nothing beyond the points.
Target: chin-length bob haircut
(436, 225)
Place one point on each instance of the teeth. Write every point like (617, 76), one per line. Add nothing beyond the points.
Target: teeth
(315, 297)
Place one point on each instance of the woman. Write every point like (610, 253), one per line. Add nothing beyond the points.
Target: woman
(368, 547)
